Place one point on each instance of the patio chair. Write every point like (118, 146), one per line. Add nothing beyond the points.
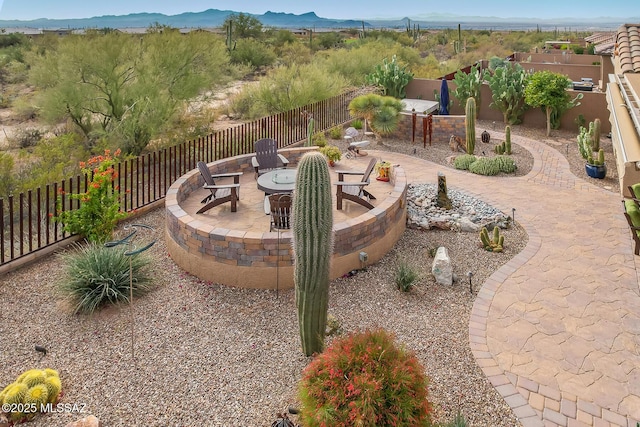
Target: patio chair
(355, 191)
(632, 214)
(280, 207)
(267, 157)
(353, 137)
(219, 193)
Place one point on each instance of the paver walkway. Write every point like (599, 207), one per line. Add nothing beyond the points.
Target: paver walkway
(557, 329)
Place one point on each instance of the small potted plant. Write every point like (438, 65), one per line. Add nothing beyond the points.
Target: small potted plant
(332, 153)
(383, 169)
(588, 144)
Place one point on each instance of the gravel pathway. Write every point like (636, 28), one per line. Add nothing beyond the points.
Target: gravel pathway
(209, 355)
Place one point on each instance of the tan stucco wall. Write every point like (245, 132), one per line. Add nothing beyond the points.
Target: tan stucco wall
(624, 137)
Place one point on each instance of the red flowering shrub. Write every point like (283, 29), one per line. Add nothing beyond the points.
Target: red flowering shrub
(364, 379)
(99, 210)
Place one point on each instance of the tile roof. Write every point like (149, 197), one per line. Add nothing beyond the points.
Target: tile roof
(605, 37)
(628, 48)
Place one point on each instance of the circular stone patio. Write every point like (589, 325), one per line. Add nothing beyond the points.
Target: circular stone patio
(236, 248)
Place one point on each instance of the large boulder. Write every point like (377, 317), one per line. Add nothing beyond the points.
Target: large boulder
(441, 268)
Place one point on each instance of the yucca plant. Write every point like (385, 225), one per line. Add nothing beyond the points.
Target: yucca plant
(96, 275)
(405, 276)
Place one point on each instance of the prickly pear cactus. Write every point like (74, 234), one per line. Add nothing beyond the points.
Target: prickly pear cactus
(312, 219)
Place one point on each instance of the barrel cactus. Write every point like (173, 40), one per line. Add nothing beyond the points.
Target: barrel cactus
(35, 387)
(312, 219)
(470, 123)
(37, 395)
(53, 386)
(34, 378)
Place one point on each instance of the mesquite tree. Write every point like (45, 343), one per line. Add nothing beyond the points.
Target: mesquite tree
(548, 90)
(312, 218)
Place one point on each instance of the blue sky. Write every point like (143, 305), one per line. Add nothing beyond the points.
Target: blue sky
(337, 9)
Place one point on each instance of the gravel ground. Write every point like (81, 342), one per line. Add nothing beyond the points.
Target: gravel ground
(210, 355)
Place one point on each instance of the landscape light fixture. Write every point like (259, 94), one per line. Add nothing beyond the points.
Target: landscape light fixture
(470, 275)
(513, 215)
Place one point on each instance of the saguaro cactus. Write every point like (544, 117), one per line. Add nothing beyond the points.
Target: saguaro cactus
(470, 123)
(312, 218)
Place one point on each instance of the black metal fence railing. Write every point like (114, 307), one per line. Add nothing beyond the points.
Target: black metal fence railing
(26, 219)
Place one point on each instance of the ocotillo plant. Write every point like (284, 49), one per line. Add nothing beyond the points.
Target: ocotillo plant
(470, 123)
(313, 246)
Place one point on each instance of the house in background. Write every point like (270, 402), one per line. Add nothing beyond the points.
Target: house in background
(623, 102)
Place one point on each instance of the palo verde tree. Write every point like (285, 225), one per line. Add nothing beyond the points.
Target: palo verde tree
(507, 85)
(243, 26)
(548, 90)
(126, 90)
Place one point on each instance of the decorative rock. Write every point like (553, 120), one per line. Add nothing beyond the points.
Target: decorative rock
(440, 223)
(441, 268)
(423, 212)
(90, 421)
(465, 225)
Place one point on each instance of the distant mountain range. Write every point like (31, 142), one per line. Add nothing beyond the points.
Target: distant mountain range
(215, 18)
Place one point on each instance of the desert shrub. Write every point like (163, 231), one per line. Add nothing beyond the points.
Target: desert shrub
(357, 124)
(364, 379)
(319, 139)
(53, 160)
(505, 164)
(484, 166)
(99, 211)
(405, 276)
(26, 138)
(286, 88)
(6, 174)
(96, 275)
(24, 108)
(253, 53)
(335, 132)
(462, 162)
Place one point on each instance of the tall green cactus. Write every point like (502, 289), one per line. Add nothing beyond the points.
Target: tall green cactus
(231, 45)
(595, 135)
(310, 131)
(312, 218)
(470, 123)
(507, 140)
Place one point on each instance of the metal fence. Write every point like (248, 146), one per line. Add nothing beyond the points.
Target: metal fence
(27, 226)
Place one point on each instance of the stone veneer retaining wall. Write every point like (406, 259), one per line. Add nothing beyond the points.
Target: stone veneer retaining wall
(249, 259)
